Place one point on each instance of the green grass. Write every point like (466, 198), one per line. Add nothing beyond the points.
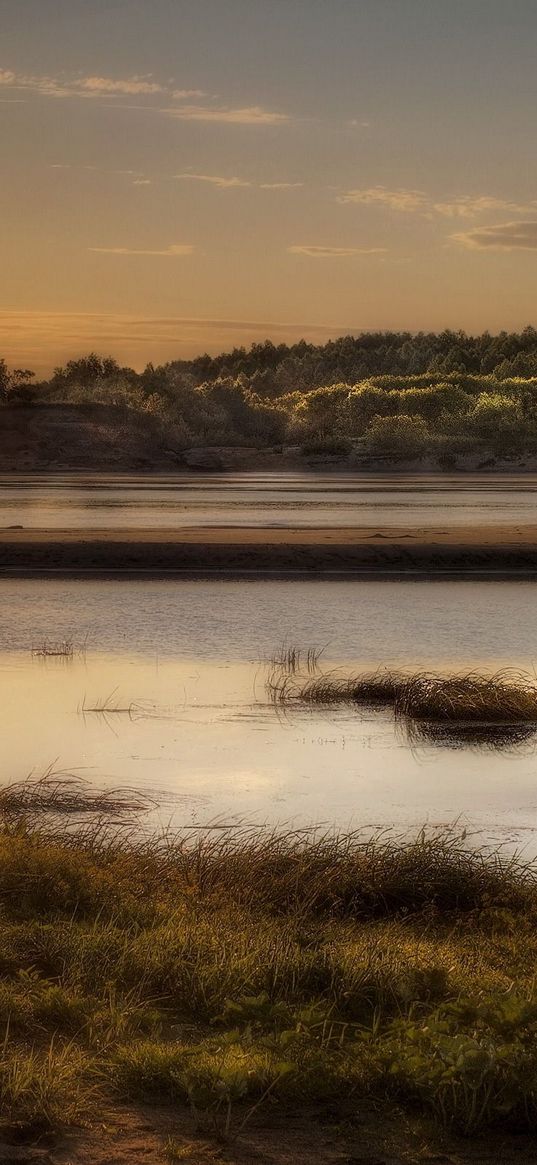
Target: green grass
(223, 973)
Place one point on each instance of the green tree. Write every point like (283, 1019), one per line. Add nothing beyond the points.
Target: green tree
(400, 438)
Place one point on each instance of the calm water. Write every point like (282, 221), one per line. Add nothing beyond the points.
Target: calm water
(271, 499)
(202, 738)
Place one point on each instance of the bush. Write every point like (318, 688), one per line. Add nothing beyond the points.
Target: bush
(400, 438)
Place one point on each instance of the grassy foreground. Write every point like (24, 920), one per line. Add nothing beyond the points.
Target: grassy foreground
(222, 974)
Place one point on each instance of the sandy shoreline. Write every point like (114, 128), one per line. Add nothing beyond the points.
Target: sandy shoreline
(475, 536)
(236, 551)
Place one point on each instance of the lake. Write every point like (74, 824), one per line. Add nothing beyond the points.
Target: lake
(187, 661)
(67, 501)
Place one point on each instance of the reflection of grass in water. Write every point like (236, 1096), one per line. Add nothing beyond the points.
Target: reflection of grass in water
(314, 968)
(289, 659)
(54, 648)
(106, 706)
(457, 734)
(497, 710)
(59, 648)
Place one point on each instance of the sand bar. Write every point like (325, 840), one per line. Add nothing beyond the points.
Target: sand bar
(236, 551)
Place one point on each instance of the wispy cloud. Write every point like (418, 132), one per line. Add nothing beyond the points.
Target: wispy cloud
(174, 251)
(508, 236)
(42, 340)
(216, 180)
(465, 206)
(247, 115)
(225, 183)
(110, 88)
(468, 207)
(184, 94)
(407, 201)
(133, 85)
(318, 252)
(93, 86)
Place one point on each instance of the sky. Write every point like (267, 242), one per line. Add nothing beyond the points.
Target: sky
(183, 176)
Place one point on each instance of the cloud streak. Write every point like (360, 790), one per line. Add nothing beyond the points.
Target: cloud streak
(174, 251)
(407, 201)
(403, 201)
(42, 340)
(216, 180)
(319, 252)
(110, 88)
(508, 236)
(223, 115)
(224, 183)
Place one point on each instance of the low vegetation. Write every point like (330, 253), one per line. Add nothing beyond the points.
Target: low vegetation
(477, 708)
(224, 970)
(374, 398)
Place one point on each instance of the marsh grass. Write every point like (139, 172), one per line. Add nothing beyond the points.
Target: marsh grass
(506, 697)
(107, 706)
(496, 710)
(64, 794)
(63, 648)
(289, 660)
(226, 970)
(59, 648)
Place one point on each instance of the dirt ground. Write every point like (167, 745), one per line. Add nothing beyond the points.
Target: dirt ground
(155, 1136)
(498, 551)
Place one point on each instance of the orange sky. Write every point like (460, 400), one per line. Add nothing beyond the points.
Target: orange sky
(185, 175)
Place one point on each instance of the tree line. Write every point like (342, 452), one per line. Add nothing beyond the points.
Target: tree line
(379, 395)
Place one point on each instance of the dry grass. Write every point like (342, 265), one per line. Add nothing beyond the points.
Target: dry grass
(63, 648)
(370, 689)
(290, 659)
(59, 793)
(503, 698)
(221, 969)
(59, 648)
(218, 972)
(496, 710)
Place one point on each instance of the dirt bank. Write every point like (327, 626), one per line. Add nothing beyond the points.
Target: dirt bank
(236, 551)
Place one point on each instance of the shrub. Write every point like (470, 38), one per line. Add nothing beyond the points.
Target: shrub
(400, 438)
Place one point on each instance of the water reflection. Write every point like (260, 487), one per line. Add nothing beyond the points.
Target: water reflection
(199, 738)
(266, 499)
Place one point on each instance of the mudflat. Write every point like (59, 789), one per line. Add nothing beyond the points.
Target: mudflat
(234, 550)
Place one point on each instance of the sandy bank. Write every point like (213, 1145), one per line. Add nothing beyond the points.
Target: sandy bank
(232, 551)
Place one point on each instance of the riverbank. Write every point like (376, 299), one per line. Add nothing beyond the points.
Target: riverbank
(255, 997)
(236, 551)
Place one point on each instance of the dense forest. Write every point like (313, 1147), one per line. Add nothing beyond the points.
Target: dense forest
(379, 396)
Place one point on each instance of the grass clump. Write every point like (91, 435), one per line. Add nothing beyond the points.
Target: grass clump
(63, 794)
(224, 972)
(497, 710)
(475, 698)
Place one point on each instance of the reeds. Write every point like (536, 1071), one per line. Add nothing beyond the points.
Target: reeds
(504, 697)
(290, 659)
(497, 709)
(51, 648)
(59, 648)
(66, 795)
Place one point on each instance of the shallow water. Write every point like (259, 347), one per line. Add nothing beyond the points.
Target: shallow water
(265, 499)
(185, 660)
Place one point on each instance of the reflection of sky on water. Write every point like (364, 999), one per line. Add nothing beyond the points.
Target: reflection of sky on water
(200, 734)
(280, 500)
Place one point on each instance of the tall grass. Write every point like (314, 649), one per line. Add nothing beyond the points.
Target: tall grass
(498, 709)
(222, 970)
